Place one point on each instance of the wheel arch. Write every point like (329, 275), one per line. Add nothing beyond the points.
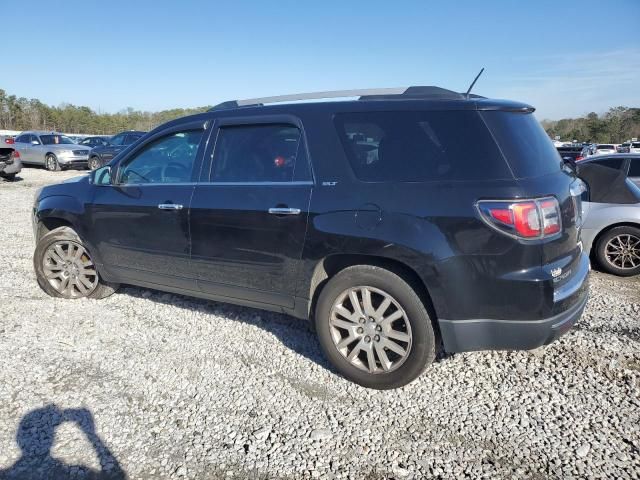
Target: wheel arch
(47, 224)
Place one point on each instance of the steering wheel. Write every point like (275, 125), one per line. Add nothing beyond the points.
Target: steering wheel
(176, 165)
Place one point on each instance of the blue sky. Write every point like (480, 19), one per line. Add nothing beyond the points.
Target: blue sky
(565, 57)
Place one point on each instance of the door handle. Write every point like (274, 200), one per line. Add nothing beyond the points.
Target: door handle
(284, 211)
(170, 206)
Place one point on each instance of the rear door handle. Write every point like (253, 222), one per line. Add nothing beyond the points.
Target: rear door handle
(284, 211)
(170, 206)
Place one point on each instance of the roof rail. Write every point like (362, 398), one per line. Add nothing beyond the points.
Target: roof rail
(414, 92)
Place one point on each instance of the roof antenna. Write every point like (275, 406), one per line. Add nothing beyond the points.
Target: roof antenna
(474, 82)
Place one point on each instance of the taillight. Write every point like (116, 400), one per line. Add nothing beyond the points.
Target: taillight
(528, 219)
(579, 157)
(10, 141)
(16, 154)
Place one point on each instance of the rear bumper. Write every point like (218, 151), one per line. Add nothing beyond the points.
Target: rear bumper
(491, 334)
(9, 168)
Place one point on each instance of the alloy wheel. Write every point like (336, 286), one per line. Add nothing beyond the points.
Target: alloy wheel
(370, 329)
(623, 251)
(51, 163)
(69, 269)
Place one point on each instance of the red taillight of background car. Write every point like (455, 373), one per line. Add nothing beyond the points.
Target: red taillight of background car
(526, 219)
(10, 141)
(579, 158)
(16, 154)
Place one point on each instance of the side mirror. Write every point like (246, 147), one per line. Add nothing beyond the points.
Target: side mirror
(101, 176)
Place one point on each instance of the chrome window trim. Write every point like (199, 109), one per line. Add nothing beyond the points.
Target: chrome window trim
(232, 184)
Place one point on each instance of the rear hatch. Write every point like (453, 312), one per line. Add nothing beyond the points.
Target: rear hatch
(538, 168)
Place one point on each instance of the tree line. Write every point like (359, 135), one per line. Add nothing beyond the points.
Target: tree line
(615, 126)
(19, 113)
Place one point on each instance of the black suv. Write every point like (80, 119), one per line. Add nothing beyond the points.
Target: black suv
(102, 154)
(401, 223)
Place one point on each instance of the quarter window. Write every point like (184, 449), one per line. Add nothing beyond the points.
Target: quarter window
(259, 153)
(168, 159)
(612, 163)
(117, 140)
(419, 146)
(634, 168)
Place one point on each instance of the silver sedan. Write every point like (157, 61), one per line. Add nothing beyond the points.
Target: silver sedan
(52, 150)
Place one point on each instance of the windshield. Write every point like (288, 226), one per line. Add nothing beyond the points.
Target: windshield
(56, 140)
(605, 147)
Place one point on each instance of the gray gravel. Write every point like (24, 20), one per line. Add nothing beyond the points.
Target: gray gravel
(184, 388)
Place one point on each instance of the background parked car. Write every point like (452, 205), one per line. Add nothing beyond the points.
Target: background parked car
(52, 150)
(570, 153)
(93, 142)
(10, 164)
(101, 155)
(611, 210)
(605, 149)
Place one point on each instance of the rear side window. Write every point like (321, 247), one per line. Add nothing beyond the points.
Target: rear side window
(634, 168)
(524, 143)
(413, 146)
(611, 163)
(259, 153)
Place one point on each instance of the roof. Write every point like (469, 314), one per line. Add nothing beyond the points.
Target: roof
(424, 93)
(593, 158)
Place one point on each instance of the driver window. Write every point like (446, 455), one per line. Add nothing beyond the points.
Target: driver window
(168, 159)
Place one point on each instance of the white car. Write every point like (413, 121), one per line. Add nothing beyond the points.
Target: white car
(605, 149)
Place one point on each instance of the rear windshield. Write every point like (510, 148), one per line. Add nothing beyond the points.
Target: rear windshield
(606, 147)
(524, 143)
(411, 146)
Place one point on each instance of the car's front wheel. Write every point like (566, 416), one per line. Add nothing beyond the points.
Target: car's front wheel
(94, 163)
(51, 163)
(64, 267)
(374, 328)
(618, 251)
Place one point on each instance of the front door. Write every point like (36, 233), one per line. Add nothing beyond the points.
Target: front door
(140, 223)
(249, 216)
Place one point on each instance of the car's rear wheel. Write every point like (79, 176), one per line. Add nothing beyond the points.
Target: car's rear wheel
(618, 251)
(51, 163)
(9, 177)
(94, 163)
(64, 267)
(374, 328)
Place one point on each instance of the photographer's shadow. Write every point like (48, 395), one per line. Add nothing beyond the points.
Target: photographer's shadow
(35, 437)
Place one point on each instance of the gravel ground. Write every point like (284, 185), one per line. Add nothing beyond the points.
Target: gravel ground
(162, 386)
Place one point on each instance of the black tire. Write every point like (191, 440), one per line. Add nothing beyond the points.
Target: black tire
(9, 177)
(65, 234)
(94, 163)
(421, 351)
(51, 163)
(613, 264)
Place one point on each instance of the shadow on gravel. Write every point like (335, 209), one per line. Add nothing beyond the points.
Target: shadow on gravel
(293, 333)
(35, 437)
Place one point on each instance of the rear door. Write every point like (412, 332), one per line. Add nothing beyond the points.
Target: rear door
(249, 213)
(23, 146)
(140, 223)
